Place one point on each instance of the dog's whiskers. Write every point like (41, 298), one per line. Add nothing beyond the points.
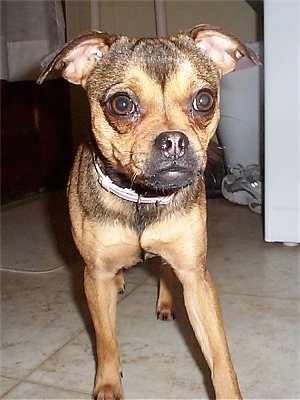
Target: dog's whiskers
(229, 116)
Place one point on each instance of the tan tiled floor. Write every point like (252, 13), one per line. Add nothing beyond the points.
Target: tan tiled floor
(47, 337)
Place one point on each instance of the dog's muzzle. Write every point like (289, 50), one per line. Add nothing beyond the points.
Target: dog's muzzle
(173, 165)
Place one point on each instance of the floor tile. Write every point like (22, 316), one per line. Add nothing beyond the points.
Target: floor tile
(40, 313)
(241, 262)
(37, 235)
(263, 335)
(6, 384)
(30, 391)
(72, 367)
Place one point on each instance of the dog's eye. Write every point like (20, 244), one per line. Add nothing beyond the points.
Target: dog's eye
(121, 104)
(204, 101)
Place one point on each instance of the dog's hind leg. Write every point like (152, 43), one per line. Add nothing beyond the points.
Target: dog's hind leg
(164, 306)
(101, 291)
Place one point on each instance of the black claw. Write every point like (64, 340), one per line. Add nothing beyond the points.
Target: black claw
(121, 291)
(165, 317)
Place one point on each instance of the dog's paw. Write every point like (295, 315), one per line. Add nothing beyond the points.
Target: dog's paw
(108, 392)
(165, 313)
(121, 289)
(120, 282)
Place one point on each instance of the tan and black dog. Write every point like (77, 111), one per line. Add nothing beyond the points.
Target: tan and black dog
(137, 187)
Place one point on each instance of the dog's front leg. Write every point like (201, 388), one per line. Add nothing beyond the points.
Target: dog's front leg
(185, 250)
(101, 291)
(202, 305)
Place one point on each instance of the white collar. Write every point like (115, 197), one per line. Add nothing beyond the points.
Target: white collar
(126, 193)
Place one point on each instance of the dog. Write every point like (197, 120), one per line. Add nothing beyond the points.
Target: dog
(136, 188)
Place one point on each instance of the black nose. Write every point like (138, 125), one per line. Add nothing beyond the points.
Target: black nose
(173, 144)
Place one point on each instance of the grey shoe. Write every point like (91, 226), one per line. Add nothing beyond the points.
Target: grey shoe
(243, 186)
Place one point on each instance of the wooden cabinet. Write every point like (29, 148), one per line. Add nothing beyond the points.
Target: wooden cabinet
(36, 150)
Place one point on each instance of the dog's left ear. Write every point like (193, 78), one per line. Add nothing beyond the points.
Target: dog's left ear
(223, 48)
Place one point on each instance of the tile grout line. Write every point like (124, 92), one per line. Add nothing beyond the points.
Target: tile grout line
(138, 285)
(41, 384)
(259, 296)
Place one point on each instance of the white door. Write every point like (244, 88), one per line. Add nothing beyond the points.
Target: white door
(282, 125)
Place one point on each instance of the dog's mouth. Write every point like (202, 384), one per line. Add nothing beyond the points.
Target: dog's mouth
(160, 179)
(170, 179)
(174, 163)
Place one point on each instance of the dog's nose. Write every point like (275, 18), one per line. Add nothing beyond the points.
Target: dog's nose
(173, 144)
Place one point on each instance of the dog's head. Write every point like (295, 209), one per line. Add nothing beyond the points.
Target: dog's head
(154, 102)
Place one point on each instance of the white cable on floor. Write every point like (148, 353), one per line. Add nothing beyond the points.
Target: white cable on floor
(18, 271)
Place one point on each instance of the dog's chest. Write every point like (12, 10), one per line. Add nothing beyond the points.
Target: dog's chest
(107, 209)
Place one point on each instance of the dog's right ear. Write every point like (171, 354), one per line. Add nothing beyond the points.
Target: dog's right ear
(78, 57)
